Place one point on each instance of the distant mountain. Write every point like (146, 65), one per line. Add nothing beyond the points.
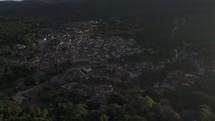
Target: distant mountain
(91, 9)
(55, 1)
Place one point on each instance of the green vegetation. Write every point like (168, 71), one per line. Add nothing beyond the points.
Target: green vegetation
(194, 102)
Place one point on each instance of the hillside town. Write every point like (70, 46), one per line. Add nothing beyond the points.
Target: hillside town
(83, 54)
(107, 60)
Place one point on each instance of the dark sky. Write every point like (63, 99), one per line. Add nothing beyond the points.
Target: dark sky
(10, 0)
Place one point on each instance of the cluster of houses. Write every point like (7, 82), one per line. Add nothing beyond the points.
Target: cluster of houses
(90, 52)
(77, 42)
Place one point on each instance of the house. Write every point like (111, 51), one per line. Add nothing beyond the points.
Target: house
(41, 41)
(167, 86)
(20, 46)
(86, 70)
(201, 71)
(134, 75)
(186, 85)
(36, 61)
(156, 85)
(69, 86)
(188, 75)
(104, 89)
(71, 57)
(81, 61)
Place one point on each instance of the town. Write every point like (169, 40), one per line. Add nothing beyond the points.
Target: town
(107, 60)
(82, 58)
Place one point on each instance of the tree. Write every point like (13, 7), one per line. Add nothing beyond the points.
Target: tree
(135, 118)
(27, 39)
(93, 115)
(146, 107)
(3, 60)
(116, 112)
(144, 102)
(168, 114)
(116, 98)
(103, 117)
(70, 112)
(206, 113)
(9, 111)
(29, 81)
(36, 114)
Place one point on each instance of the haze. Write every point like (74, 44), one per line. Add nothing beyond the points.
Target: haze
(12, 0)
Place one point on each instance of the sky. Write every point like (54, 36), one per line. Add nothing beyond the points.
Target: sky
(12, 0)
